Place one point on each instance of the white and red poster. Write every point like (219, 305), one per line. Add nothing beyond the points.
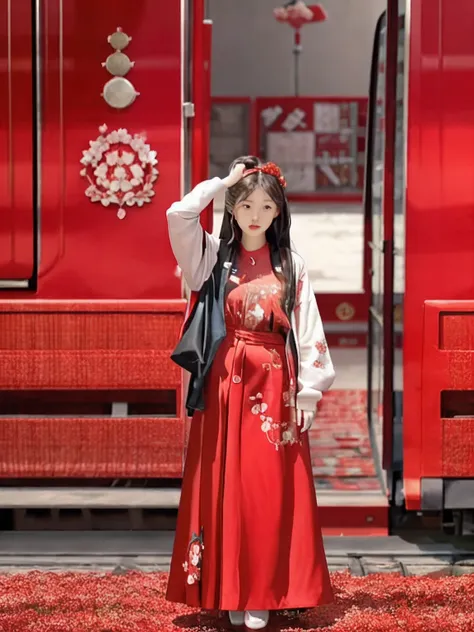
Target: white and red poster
(319, 143)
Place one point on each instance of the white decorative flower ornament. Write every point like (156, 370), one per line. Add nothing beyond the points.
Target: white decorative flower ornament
(120, 169)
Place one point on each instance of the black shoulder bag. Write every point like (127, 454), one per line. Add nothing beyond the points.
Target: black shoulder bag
(203, 332)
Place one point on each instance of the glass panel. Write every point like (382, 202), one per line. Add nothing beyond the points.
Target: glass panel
(376, 398)
(399, 203)
(376, 173)
(377, 169)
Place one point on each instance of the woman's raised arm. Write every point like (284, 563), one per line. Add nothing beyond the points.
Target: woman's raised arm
(195, 249)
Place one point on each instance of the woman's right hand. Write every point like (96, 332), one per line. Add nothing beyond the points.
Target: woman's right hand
(234, 176)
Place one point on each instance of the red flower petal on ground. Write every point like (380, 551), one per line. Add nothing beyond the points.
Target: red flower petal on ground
(135, 602)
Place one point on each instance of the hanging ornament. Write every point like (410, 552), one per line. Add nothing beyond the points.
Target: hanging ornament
(120, 169)
(119, 92)
(296, 14)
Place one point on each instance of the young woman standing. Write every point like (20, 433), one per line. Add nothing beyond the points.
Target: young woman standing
(248, 538)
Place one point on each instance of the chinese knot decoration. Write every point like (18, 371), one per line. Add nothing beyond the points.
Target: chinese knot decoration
(271, 169)
(120, 169)
(297, 14)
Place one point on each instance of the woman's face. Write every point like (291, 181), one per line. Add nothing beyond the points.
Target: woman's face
(255, 214)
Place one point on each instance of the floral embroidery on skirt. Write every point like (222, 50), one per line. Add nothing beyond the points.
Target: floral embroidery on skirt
(276, 361)
(278, 432)
(193, 564)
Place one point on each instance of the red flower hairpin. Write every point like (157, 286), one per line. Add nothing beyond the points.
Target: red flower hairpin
(271, 169)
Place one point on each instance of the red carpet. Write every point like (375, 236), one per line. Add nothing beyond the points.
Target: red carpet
(51, 602)
(340, 443)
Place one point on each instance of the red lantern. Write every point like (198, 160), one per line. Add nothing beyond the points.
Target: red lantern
(296, 13)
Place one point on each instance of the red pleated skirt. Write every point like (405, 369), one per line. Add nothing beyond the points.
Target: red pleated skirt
(248, 535)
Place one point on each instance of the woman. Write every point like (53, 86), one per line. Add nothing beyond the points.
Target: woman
(248, 539)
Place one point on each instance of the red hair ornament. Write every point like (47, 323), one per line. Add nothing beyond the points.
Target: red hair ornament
(271, 169)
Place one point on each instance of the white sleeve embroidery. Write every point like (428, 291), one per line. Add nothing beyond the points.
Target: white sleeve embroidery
(186, 233)
(316, 372)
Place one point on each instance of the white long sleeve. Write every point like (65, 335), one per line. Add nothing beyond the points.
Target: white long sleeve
(186, 233)
(316, 372)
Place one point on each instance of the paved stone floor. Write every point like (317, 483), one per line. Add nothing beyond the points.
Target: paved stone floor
(151, 551)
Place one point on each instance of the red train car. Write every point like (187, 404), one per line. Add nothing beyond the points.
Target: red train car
(419, 209)
(90, 300)
(103, 126)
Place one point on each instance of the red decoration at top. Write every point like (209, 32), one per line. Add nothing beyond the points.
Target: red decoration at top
(271, 169)
(299, 14)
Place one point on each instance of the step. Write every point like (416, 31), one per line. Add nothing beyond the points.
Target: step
(145, 498)
(151, 551)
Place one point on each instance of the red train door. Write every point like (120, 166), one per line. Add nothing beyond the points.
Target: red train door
(385, 229)
(18, 148)
(99, 327)
(52, 106)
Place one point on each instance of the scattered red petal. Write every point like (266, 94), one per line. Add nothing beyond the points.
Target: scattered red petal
(135, 602)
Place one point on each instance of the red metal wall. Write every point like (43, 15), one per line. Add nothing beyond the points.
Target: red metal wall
(16, 140)
(440, 196)
(86, 252)
(108, 308)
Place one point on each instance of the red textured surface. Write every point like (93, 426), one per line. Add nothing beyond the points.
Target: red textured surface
(458, 447)
(60, 602)
(340, 444)
(444, 449)
(89, 448)
(96, 345)
(86, 331)
(456, 331)
(87, 370)
(90, 346)
(89, 306)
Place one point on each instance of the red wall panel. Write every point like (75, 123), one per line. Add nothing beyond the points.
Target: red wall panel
(439, 198)
(86, 251)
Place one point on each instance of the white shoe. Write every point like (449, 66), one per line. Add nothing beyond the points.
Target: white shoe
(256, 619)
(237, 617)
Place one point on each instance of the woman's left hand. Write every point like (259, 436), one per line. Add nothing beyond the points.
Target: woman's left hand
(305, 419)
